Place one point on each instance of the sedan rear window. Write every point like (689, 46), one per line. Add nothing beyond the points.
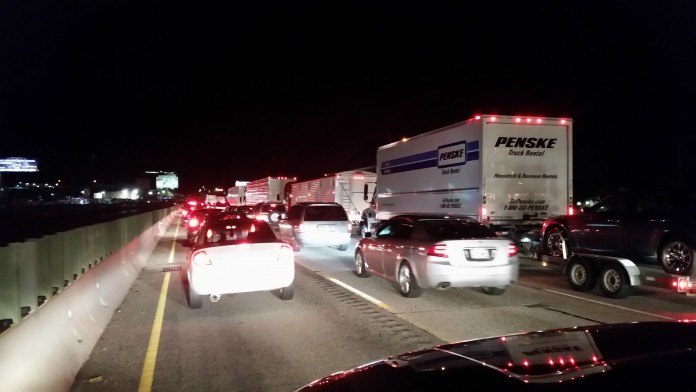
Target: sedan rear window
(325, 213)
(451, 229)
(237, 231)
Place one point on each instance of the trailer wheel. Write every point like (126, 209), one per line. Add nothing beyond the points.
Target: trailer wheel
(614, 282)
(581, 275)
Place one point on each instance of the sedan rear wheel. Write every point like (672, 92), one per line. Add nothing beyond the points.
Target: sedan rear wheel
(360, 267)
(287, 293)
(408, 286)
(195, 299)
(493, 290)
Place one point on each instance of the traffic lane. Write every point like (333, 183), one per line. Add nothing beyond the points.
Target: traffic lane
(250, 341)
(537, 301)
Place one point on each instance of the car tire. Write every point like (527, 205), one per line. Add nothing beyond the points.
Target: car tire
(614, 281)
(493, 290)
(677, 256)
(407, 282)
(295, 245)
(581, 275)
(360, 268)
(554, 240)
(287, 293)
(274, 216)
(195, 299)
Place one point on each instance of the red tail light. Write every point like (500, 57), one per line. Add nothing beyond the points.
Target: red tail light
(193, 222)
(571, 210)
(512, 250)
(439, 250)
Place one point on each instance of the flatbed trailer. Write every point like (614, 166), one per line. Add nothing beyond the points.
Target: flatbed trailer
(617, 276)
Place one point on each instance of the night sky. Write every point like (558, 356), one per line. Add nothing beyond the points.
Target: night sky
(218, 93)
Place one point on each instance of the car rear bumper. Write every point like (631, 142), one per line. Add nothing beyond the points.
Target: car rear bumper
(229, 281)
(469, 276)
(323, 239)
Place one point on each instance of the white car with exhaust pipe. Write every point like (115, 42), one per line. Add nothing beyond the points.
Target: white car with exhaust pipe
(232, 256)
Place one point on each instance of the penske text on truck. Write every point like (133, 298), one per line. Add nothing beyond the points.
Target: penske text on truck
(509, 172)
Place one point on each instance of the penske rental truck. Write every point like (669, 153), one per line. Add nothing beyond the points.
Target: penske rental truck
(345, 188)
(268, 189)
(509, 172)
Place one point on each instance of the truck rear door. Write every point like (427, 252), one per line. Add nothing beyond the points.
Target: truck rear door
(527, 168)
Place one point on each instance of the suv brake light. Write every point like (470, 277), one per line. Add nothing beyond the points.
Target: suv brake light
(512, 250)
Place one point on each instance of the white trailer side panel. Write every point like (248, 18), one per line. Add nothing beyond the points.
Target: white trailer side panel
(438, 171)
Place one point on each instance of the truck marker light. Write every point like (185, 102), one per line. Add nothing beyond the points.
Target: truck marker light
(538, 121)
(563, 122)
(517, 119)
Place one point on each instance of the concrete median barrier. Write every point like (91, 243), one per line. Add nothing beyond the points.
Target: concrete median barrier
(45, 351)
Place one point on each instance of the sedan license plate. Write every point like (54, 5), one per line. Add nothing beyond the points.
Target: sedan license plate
(479, 254)
(327, 227)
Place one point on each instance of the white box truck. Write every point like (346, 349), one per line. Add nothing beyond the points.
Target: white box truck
(268, 189)
(509, 172)
(346, 188)
(236, 194)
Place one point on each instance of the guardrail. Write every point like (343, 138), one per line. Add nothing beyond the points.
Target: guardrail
(37, 269)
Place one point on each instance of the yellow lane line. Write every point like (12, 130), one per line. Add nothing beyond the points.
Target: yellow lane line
(148, 372)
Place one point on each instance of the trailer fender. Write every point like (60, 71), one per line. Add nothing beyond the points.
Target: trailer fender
(631, 269)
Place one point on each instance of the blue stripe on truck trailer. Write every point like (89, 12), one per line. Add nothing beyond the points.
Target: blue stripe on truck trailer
(448, 155)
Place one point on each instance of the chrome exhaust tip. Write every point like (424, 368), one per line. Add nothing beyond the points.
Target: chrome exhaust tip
(443, 286)
(214, 297)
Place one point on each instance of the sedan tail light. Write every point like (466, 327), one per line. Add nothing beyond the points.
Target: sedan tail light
(512, 250)
(193, 222)
(439, 250)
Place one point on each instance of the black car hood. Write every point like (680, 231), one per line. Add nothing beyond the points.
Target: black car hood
(637, 356)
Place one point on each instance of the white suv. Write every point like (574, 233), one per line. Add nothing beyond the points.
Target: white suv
(269, 212)
(316, 224)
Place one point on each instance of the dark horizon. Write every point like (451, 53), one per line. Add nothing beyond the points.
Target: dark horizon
(224, 93)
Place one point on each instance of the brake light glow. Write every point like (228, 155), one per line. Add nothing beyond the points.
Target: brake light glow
(193, 222)
(571, 210)
(439, 250)
(512, 250)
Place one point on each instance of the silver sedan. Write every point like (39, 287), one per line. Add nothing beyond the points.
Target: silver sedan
(437, 251)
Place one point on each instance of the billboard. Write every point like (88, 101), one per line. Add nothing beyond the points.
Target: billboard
(167, 181)
(18, 165)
